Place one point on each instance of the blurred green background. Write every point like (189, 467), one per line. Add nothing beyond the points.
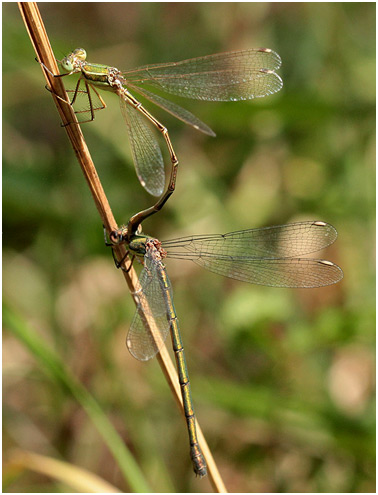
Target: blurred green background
(282, 380)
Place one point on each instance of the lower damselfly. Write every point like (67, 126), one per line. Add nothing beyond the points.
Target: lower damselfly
(230, 76)
(269, 256)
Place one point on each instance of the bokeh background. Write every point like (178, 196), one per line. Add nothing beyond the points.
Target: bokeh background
(283, 380)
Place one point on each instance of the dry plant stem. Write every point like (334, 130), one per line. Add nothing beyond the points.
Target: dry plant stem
(77, 478)
(40, 41)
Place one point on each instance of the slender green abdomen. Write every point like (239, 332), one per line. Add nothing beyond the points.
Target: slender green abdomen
(198, 460)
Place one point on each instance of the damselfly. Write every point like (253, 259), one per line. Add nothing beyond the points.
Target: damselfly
(230, 76)
(267, 256)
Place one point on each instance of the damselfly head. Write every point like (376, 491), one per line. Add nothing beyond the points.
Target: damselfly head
(69, 63)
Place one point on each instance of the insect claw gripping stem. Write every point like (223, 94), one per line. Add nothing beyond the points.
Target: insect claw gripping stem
(126, 270)
(230, 76)
(269, 256)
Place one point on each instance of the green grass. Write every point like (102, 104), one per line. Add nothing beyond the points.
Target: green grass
(282, 379)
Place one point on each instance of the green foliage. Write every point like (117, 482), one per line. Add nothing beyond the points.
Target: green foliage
(282, 379)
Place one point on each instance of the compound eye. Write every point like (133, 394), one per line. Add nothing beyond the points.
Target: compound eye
(114, 237)
(80, 53)
(67, 63)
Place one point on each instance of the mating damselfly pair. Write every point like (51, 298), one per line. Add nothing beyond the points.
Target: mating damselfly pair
(267, 256)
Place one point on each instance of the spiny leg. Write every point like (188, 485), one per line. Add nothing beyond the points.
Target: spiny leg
(92, 110)
(87, 91)
(77, 91)
(58, 76)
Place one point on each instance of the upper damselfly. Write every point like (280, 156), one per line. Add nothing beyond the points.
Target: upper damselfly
(230, 76)
(268, 256)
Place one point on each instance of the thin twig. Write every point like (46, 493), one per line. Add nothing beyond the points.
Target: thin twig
(40, 41)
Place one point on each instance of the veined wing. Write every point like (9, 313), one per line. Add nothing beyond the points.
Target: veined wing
(151, 311)
(145, 149)
(175, 110)
(266, 256)
(230, 76)
(282, 241)
(280, 272)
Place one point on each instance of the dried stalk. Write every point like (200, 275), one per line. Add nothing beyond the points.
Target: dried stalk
(40, 41)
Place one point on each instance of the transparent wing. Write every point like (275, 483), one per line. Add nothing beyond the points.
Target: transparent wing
(145, 149)
(289, 272)
(282, 241)
(85, 100)
(266, 256)
(151, 310)
(231, 76)
(175, 110)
